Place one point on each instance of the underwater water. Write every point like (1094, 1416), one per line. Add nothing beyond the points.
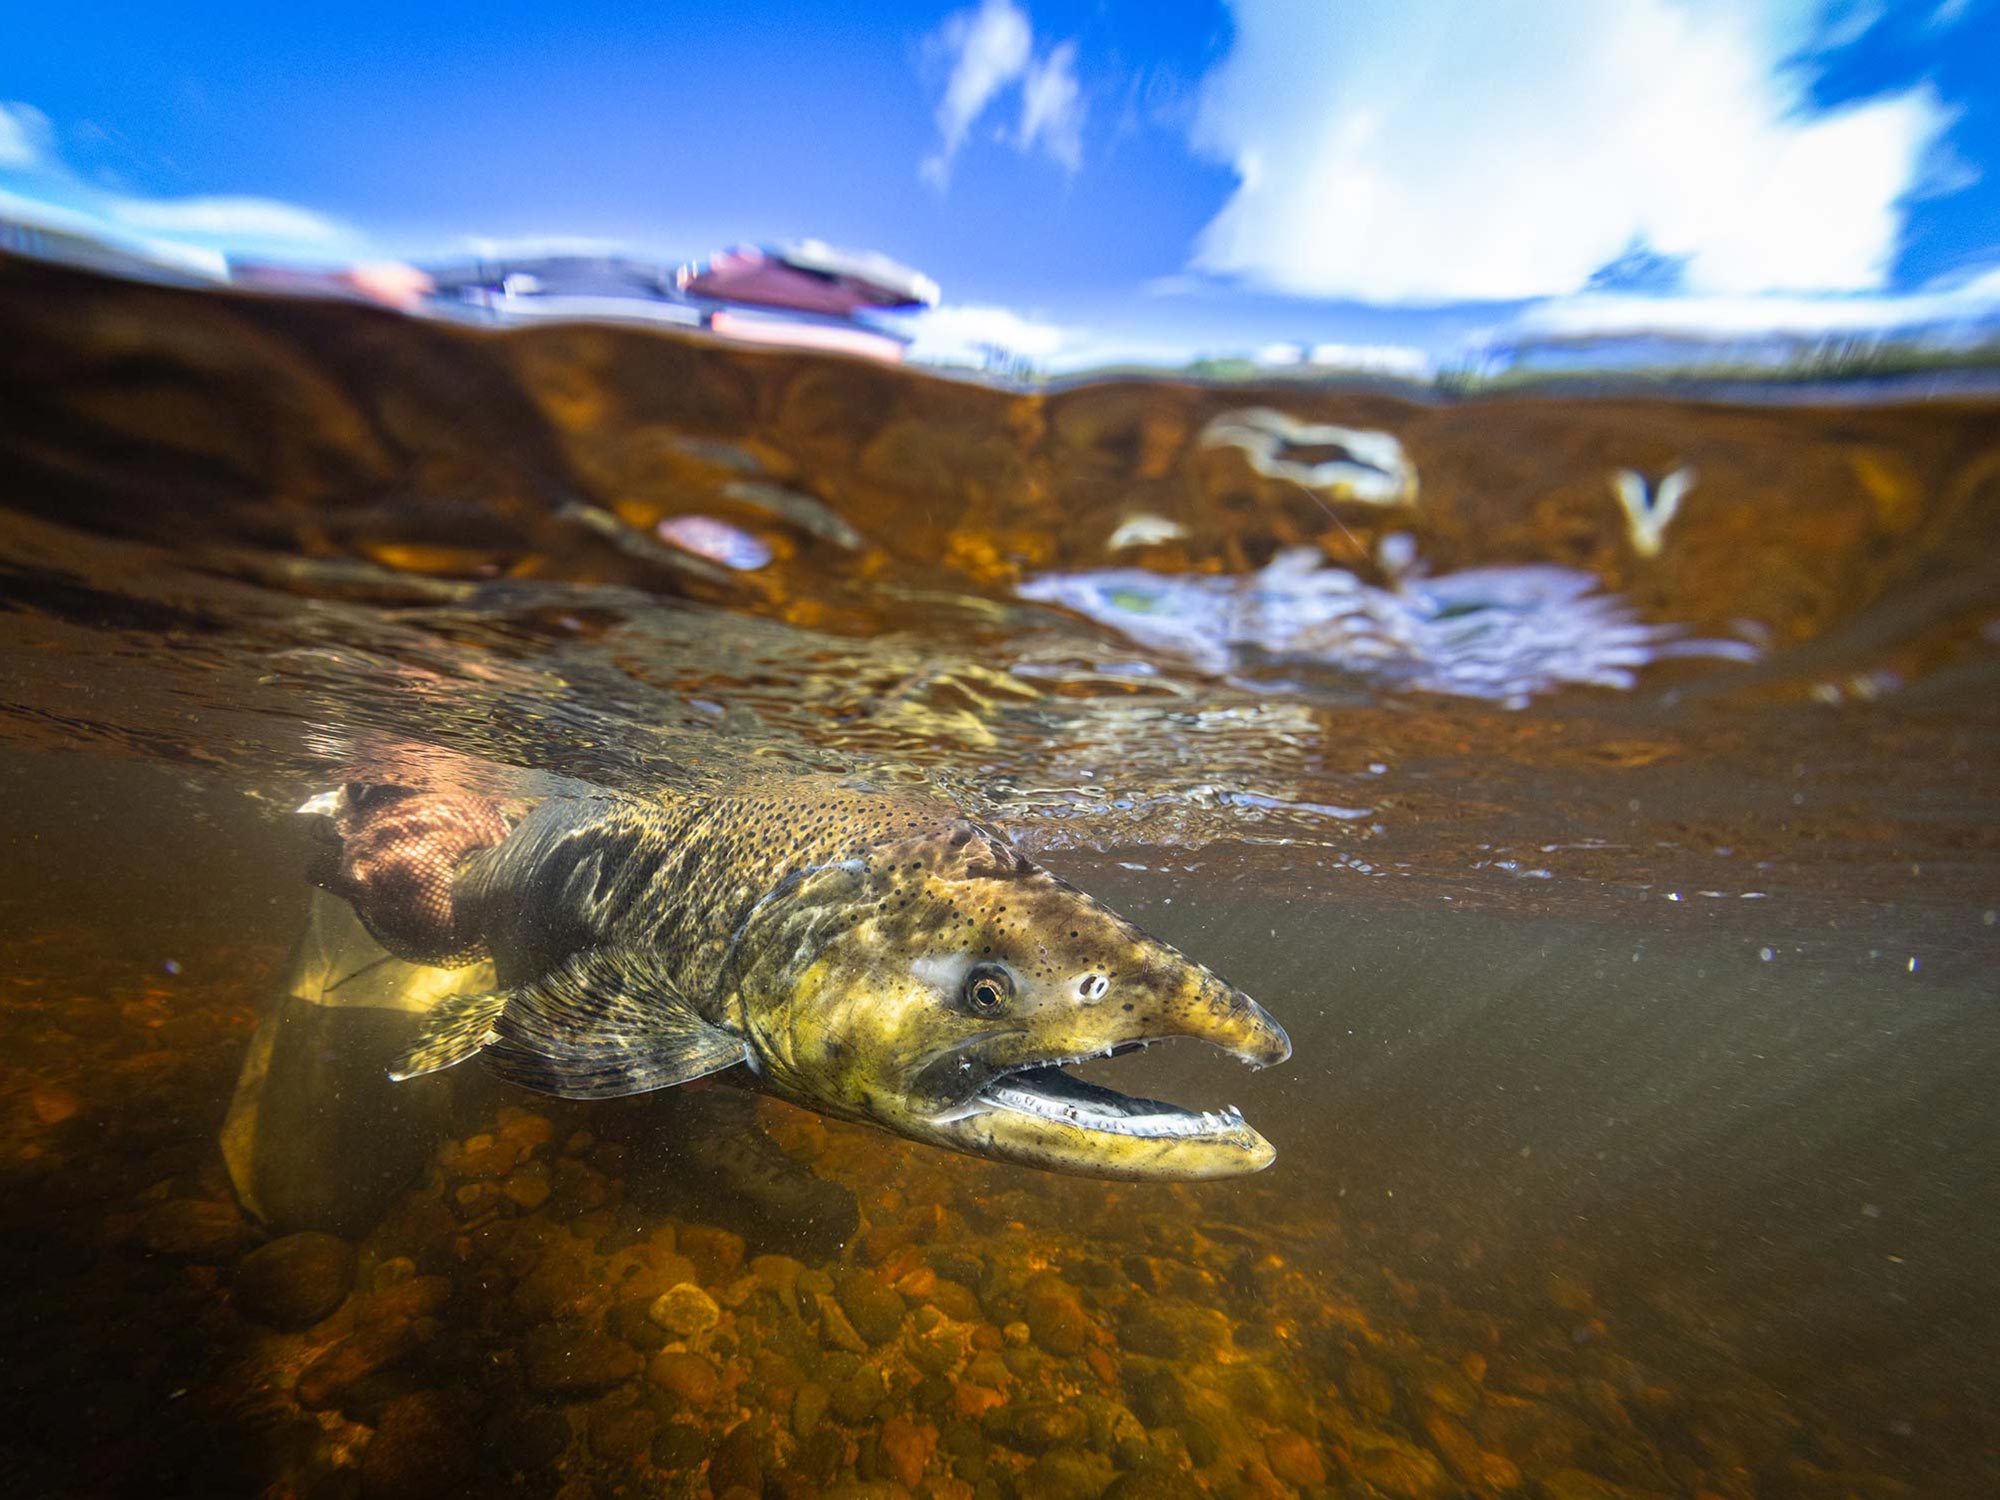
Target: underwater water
(1601, 790)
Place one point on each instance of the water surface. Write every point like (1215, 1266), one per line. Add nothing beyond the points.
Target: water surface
(1634, 924)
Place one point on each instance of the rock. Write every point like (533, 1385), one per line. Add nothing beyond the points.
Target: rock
(680, 1446)
(1370, 1389)
(970, 1401)
(736, 1464)
(562, 1285)
(1294, 1458)
(423, 1448)
(476, 1199)
(1056, 1319)
(1577, 1484)
(1038, 1426)
(1159, 1395)
(686, 1310)
(716, 1253)
(688, 1376)
(528, 1188)
(1067, 1474)
(1463, 1456)
(295, 1281)
(1265, 1394)
(525, 1130)
(568, 1362)
(874, 1308)
(532, 1440)
(53, 1103)
(482, 1156)
(855, 1398)
(906, 1449)
(1400, 1469)
(956, 1302)
(1172, 1330)
(1154, 1482)
(835, 1331)
(619, 1434)
(376, 1347)
(809, 1408)
(633, 1322)
(196, 1229)
(777, 1273)
(413, 1297)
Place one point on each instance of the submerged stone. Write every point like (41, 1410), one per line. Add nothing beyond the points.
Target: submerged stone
(688, 1376)
(196, 1229)
(1067, 1474)
(295, 1281)
(873, 1308)
(565, 1361)
(423, 1448)
(685, 1309)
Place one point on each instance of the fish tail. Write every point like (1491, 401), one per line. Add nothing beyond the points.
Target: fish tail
(453, 1029)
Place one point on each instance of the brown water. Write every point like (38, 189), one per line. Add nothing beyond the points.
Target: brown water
(1640, 1137)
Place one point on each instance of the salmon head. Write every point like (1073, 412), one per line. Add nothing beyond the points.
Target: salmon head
(940, 985)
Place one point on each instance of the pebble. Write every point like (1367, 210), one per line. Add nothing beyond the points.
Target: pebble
(567, 1362)
(679, 1446)
(836, 1331)
(533, 1439)
(1067, 1474)
(907, 1449)
(1039, 1426)
(361, 1354)
(619, 1434)
(1056, 1319)
(1153, 1483)
(196, 1229)
(53, 1104)
(979, 1344)
(736, 1464)
(717, 1254)
(874, 1309)
(688, 1376)
(855, 1398)
(1294, 1459)
(295, 1281)
(809, 1408)
(422, 1448)
(685, 1309)
(528, 1188)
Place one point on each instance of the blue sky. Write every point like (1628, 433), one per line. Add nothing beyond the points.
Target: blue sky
(1084, 179)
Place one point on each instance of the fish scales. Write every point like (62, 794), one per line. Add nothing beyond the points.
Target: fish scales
(870, 954)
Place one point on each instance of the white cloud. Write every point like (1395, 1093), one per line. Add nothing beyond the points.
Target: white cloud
(1430, 151)
(226, 218)
(1052, 107)
(990, 50)
(24, 136)
(1974, 302)
(965, 335)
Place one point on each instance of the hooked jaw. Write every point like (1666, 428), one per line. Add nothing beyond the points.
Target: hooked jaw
(1035, 1113)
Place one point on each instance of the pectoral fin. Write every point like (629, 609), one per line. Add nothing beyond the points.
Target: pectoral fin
(604, 1025)
(455, 1028)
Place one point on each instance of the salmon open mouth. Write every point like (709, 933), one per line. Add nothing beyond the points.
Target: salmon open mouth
(1048, 1093)
(989, 1099)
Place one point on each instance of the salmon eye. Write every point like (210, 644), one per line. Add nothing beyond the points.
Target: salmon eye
(988, 988)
